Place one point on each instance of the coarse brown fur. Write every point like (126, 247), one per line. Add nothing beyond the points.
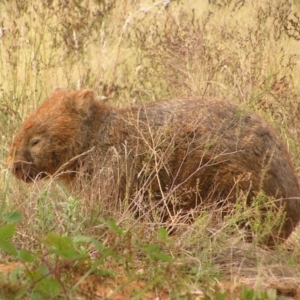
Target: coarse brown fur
(199, 149)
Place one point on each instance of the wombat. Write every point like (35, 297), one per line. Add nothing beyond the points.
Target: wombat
(201, 150)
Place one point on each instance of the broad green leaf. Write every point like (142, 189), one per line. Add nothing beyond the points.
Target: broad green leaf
(16, 274)
(48, 287)
(67, 253)
(25, 255)
(62, 246)
(58, 241)
(36, 296)
(7, 231)
(42, 270)
(7, 247)
(12, 217)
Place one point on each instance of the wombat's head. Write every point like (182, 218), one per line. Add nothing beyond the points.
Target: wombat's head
(51, 136)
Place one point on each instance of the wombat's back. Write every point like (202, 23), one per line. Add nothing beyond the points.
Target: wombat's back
(216, 150)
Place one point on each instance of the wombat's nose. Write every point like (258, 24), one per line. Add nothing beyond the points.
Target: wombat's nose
(15, 168)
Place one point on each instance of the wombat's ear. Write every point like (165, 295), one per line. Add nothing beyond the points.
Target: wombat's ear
(83, 101)
(57, 91)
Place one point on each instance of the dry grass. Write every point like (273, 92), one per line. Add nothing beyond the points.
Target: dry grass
(136, 51)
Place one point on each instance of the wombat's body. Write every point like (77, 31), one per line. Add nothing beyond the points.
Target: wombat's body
(201, 150)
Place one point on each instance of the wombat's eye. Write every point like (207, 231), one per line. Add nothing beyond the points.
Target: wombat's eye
(34, 142)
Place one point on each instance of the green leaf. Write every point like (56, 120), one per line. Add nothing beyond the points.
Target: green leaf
(36, 296)
(221, 296)
(16, 274)
(12, 217)
(271, 294)
(152, 248)
(24, 255)
(42, 197)
(42, 270)
(62, 246)
(163, 234)
(48, 287)
(247, 293)
(155, 253)
(103, 250)
(7, 231)
(161, 256)
(7, 247)
(82, 239)
(113, 226)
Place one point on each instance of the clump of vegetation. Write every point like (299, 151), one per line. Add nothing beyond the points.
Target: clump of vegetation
(64, 245)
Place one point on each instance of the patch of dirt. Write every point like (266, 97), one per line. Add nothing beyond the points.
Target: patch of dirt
(118, 289)
(122, 288)
(6, 268)
(96, 287)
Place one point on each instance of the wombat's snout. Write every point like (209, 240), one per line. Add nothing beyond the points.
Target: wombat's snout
(24, 170)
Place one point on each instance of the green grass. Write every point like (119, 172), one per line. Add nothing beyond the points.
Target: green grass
(75, 246)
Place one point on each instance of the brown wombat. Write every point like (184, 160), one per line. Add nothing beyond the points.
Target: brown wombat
(200, 150)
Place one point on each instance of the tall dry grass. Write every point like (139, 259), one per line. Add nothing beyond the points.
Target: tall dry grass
(136, 51)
